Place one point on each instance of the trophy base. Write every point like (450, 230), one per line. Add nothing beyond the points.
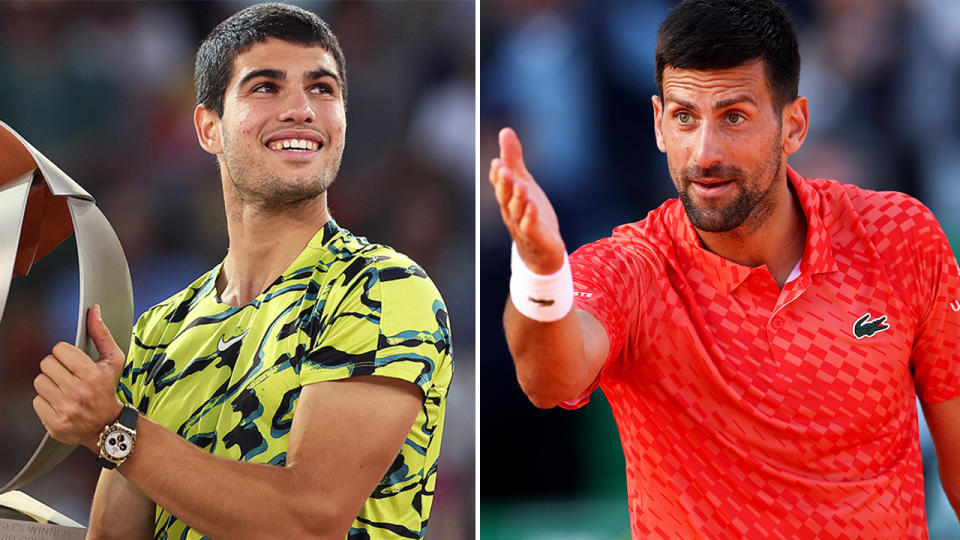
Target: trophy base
(15, 529)
(24, 518)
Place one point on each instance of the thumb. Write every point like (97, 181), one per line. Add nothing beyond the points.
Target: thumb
(511, 152)
(109, 350)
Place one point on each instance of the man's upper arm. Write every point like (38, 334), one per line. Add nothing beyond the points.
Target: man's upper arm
(596, 344)
(943, 419)
(609, 277)
(935, 359)
(596, 349)
(380, 365)
(120, 510)
(346, 434)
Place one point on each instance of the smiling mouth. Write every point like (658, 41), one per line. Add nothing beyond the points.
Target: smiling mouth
(296, 145)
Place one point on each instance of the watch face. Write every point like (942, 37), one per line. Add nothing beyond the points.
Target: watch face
(117, 444)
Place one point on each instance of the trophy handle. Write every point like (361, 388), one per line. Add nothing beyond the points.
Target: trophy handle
(104, 280)
(13, 205)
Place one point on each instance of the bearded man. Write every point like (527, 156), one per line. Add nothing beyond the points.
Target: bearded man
(763, 338)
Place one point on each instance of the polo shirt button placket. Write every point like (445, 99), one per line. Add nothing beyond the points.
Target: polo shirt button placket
(776, 355)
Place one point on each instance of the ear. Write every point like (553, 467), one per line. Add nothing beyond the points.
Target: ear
(657, 119)
(796, 121)
(207, 124)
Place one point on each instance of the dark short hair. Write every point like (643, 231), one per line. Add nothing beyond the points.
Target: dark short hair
(722, 34)
(251, 25)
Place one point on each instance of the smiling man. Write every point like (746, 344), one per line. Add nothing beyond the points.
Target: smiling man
(763, 338)
(298, 389)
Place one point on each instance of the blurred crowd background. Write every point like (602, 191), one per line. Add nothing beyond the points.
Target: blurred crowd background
(105, 90)
(574, 78)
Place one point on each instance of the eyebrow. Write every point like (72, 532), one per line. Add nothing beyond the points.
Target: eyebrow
(722, 104)
(281, 75)
(321, 73)
(266, 73)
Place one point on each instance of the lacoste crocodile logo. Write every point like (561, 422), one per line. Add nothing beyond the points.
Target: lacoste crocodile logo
(864, 327)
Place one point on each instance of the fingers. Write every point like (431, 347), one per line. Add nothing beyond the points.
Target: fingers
(44, 410)
(56, 371)
(525, 208)
(501, 181)
(530, 231)
(107, 347)
(70, 358)
(69, 365)
(45, 386)
(495, 176)
(528, 220)
(511, 151)
(76, 396)
(512, 195)
(517, 203)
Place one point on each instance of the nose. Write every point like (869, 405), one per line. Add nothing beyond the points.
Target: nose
(707, 149)
(298, 108)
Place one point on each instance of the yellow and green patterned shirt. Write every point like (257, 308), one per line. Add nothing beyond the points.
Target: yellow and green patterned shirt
(227, 378)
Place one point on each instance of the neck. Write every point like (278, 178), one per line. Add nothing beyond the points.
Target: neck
(263, 243)
(775, 240)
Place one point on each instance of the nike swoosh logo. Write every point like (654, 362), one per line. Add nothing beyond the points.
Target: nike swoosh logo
(224, 345)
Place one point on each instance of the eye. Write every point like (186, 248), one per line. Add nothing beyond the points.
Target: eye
(264, 87)
(322, 88)
(735, 118)
(683, 117)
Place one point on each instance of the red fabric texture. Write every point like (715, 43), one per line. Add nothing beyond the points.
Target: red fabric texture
(746, 411)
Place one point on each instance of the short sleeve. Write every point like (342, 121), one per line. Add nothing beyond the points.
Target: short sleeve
(138, 363)
(388, 321)
(936, 352)
(607, 282)
(125, 384)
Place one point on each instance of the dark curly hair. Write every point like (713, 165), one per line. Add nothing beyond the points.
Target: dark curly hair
(255, 24)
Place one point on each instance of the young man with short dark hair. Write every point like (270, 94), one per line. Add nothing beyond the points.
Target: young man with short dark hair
(298, 389)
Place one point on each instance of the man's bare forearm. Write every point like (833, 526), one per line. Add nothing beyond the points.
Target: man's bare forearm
(555, 361)
(344, 436)
(120, 510)
(230, 500)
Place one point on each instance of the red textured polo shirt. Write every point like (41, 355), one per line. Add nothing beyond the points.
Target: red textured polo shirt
(747, 411)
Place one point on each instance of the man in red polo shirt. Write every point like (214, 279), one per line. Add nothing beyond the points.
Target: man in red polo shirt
(763, 338)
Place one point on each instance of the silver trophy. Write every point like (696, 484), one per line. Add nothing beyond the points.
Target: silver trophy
(40, 206)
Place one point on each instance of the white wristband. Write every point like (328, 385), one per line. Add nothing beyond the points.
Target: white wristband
(544, 298)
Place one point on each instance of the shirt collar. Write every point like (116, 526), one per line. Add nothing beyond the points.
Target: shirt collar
(727, 275)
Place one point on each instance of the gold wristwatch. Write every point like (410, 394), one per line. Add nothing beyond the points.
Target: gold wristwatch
(117, 439)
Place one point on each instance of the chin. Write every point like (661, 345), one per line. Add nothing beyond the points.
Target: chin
(713, 220)
(714, 226)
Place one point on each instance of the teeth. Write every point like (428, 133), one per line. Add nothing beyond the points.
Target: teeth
(294, 144)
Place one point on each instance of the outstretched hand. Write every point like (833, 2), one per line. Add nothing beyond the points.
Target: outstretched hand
(525, 209)
(76, 396)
